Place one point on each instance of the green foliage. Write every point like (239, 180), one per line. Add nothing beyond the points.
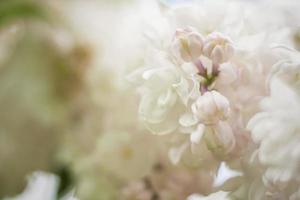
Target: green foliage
(11, 10)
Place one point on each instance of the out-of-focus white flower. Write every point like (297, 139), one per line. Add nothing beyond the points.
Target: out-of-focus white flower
(126, 155)
(211, 107)
(42, 185)
(288, 70)
(221, 195)
(277, 129)
(218, 47)
(187, 44)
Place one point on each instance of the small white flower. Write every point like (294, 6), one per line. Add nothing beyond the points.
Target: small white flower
(158, 99)
(165, 92)
(187, 44)
(211, 107)
(218, 48)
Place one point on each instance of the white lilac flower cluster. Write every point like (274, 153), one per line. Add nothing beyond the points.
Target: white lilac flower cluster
(203, 82)
(195, 85)
(217, 115)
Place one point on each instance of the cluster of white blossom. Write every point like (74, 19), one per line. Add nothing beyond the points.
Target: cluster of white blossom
(206, 76)
(195, 100)
(199, 82)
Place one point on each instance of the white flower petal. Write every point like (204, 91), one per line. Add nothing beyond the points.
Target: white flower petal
(197, 135)
(224, 174)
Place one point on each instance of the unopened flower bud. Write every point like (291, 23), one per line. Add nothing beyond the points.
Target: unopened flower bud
(220, 139)
(187, 44)
(211, 107)
(218, 48)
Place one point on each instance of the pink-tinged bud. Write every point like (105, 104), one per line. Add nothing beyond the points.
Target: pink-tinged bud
(211, 107)
(218, 48)
(187, 44)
